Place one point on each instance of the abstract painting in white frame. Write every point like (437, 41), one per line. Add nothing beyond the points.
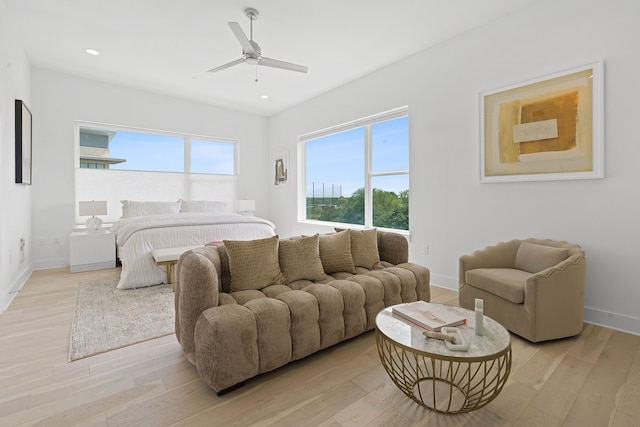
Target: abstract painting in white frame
(549, 128)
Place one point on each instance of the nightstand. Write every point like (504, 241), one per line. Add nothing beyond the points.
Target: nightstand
(92, 251)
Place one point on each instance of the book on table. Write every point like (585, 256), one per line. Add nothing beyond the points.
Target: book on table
(428, 316)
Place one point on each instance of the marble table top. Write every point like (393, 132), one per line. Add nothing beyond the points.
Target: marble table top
(496, 338)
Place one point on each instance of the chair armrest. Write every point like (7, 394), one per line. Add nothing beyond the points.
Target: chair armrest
(555, 297)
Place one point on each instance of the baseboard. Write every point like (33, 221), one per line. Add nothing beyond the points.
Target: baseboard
(17, 284)
(615, 321)
(445, 282)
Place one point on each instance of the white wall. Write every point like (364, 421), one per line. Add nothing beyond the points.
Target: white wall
(16, 198)
(60, 99)
(450, 210)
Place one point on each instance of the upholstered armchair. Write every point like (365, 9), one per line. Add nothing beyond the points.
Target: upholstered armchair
(534, 288)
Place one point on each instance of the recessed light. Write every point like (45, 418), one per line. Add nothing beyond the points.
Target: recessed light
(92, 52)
(264, 96)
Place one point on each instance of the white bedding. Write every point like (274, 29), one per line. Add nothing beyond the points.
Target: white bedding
(138, 237)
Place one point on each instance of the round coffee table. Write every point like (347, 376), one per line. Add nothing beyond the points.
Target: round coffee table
(444, 380)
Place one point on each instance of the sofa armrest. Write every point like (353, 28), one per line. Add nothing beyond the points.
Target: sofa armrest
(393, 247)
(555, 298)
(196, 291)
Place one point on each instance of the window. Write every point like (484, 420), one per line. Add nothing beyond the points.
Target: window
(125, 149)
(120, 163)
(358, 173)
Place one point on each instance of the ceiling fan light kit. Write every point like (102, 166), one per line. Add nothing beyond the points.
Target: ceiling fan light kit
(251, 52)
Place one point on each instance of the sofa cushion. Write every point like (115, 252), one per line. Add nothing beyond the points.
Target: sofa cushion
(300, 259)
(364, 248)
(335, 253)
(533, 258)
(507, 283)
(253, 264)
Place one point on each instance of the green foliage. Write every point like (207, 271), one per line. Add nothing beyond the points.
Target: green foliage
(390, 210)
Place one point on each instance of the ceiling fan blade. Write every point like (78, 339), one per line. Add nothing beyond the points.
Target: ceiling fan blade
(268, 62)
(230, 64)
(242, 38)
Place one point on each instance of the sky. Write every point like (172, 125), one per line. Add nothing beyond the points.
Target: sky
(335, 161)
(338, 159)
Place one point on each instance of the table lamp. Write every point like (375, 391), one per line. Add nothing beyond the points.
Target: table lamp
(93, 208)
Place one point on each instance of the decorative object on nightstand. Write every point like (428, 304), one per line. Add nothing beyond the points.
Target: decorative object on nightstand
(246, 207)
(93, 208)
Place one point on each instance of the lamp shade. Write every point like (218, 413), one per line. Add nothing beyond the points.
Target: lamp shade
(93, 207)
(246, 205)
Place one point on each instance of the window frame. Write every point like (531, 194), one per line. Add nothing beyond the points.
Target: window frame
(366, 123)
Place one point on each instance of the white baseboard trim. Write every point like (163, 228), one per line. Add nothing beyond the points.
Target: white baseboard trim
(445, 282)
(615, 321)
(17, 284)
(49, 264)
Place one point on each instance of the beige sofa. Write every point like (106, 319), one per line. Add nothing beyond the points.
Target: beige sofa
(534, 288)
(245, 308)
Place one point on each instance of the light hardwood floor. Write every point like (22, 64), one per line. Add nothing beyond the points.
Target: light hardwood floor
(589, 380)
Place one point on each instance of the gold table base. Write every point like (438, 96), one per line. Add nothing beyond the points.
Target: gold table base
(450, 385)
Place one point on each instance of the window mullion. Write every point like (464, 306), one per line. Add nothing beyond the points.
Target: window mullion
(187, 154)
(368, 192)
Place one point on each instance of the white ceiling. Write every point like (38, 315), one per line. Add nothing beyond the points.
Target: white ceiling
(166, 46)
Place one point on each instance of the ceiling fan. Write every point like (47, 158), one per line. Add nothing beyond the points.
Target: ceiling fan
(251, 53)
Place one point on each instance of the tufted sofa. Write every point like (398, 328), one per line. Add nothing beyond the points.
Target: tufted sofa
(249, 307)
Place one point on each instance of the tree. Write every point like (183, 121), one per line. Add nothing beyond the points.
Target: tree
(390, 210)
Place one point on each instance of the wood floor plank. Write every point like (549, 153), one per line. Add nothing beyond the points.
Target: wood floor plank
(596, 402)
(590, 380)
(559, 392)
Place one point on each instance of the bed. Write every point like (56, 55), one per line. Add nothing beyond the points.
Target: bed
(138, 236)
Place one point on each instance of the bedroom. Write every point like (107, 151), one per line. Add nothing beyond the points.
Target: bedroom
(447, 198)
(452, 212)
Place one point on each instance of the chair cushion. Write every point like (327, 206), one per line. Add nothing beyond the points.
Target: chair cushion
(335, 253)
(507, 283)
(300, 259)
(253, 264)
(534, 258)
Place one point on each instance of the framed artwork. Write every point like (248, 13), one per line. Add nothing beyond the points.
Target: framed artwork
(550, 128)
(23, 143)
(281, 168)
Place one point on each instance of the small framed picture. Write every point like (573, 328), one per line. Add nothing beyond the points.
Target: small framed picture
(23, 131)
(281, 168)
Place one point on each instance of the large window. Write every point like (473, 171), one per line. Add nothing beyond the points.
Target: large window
(358, 173)
(125, 149)
(120, 163)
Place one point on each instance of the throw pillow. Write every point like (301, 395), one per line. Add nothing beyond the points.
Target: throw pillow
(300, 259)
(132, 208)
(335, 253)
(364, 248)
(253, 264)
(533, 258)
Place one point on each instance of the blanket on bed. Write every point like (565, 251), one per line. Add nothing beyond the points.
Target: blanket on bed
(125, 228)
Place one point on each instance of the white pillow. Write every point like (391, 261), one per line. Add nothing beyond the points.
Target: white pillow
(132, 208)
(207, 206)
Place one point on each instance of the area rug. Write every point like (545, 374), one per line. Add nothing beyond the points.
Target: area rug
(107, 318)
